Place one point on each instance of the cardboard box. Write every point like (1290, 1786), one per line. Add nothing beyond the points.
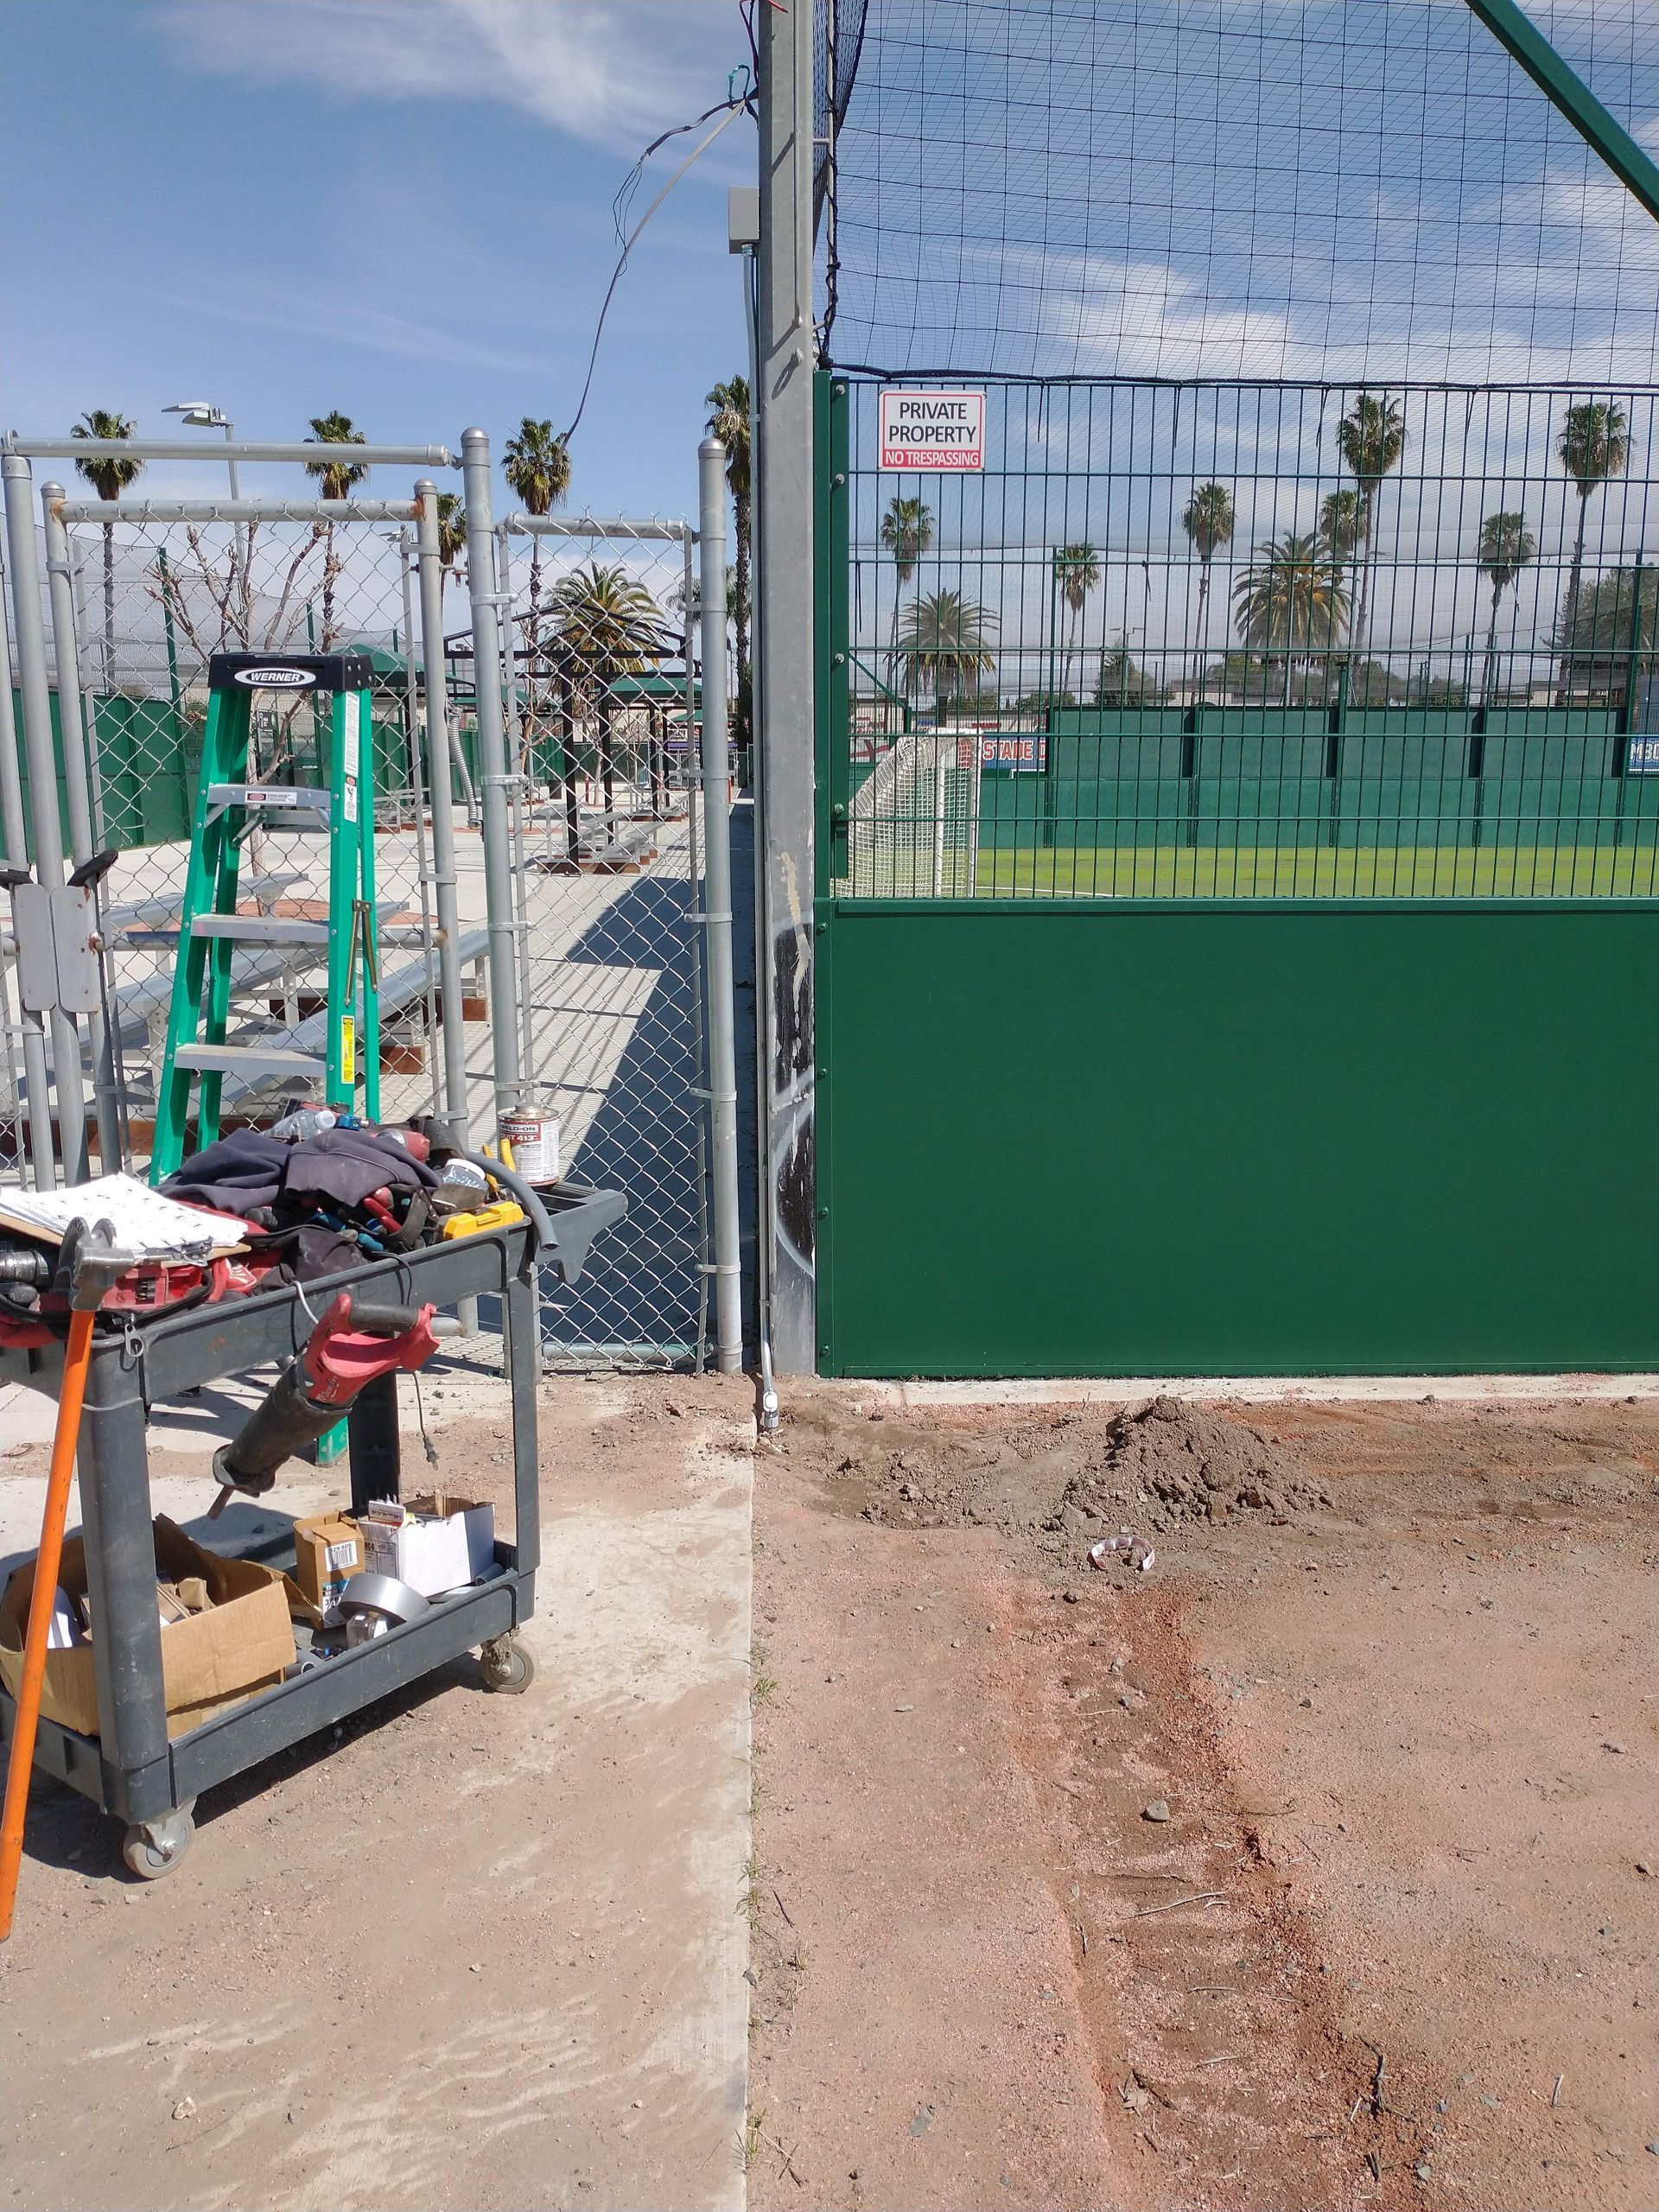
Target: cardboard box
(213, 1660)
(328, 1551)
(442, 1542)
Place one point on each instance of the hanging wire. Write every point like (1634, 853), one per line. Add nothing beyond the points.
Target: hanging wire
(740, 103)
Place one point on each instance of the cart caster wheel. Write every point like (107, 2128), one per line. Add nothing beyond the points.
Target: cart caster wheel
(153, 1848)
(508, 1665)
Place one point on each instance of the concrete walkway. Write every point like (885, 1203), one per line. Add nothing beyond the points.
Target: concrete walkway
(469, 1951)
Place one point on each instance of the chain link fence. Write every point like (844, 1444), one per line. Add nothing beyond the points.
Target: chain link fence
(602, 702)
(598, 682)
(152, 601)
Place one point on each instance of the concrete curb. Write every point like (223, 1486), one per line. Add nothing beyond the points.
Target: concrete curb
(1316, 1390)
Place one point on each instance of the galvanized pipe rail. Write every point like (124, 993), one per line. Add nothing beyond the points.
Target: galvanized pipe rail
(34, 684)
(523, 526)
(78, 790)
(307, 453)
(717, 912)
(67, 510)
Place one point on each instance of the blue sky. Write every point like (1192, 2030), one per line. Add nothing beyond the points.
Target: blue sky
(400, 209)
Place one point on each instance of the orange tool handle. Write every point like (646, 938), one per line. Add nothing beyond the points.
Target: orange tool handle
(77, 1360)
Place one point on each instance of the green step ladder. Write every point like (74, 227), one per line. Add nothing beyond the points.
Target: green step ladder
(228, 806)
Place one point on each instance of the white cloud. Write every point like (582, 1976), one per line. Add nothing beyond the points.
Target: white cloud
(614, 72)
(364, 328)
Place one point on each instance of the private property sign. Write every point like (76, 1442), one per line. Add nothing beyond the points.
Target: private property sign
(933, 430)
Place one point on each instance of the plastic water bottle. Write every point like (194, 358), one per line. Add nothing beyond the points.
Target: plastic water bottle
(310, 1122)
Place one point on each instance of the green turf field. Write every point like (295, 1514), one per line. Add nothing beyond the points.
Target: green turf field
(1322, 872)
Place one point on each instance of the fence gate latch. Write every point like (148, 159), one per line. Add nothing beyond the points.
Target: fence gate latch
(57, 950)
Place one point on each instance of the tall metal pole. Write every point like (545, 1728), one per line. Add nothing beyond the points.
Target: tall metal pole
(717, 909)
(407, 579)
(519, 730)
(493, 765)
(35, 686)
(77, 788)
(784, 686)
(435, 683)
(42, 1156)
(241, 547)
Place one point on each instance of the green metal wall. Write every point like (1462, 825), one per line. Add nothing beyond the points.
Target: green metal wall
(1391, 776)
(147, 766)
(1235, 1137)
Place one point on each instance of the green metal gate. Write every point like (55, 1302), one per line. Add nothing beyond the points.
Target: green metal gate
(1236, 951)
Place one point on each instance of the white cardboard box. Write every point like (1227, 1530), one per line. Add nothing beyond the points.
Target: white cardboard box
(439, 1543)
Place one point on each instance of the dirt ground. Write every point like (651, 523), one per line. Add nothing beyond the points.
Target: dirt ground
(1314, 1867)
(467, 1951)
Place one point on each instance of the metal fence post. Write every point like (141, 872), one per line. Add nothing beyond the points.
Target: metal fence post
(36, 689)
(78, 737)
(32, 1028)
(717, 907)
(493, 767)
(434, 678)
(783, 684)
(520, 728)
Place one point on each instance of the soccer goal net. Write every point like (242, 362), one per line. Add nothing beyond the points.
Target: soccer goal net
(913, 827)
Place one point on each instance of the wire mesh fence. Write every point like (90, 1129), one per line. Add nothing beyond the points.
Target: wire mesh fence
(599, 698)
(602, 705)
(152, 601)
(1252, 639)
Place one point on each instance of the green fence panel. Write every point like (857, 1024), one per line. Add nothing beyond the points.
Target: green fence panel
(1639, 808)
(1012, 809)
(1262, 775)
(1405, 777)
(23, 769)
(1218, 1137)
(1121, 783)
(146, 771)
(1549, 776)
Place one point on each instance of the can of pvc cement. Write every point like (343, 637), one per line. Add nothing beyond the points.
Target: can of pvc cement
(535, 1141)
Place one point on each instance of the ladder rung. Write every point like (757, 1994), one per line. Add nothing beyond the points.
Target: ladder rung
(261, 929)
(277, 798)
(248, 1061)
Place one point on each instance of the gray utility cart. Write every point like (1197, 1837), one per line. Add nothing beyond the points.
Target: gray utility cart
(133, 1769)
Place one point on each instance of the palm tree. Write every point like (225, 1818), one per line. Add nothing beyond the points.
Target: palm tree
(1371, 438)
(943, 641)
(109, 477)
(1291, 602)
(536, 462)
(906, 533)
(1207, 519)
(609, 626)
(1342, 524)
(452, 533)
(1592, 448)
(1506, 546)
(1344, 519)
(1077, 571)
(729, 421)
(338, 477)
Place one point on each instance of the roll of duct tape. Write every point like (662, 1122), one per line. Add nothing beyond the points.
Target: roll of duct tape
(383, 1594)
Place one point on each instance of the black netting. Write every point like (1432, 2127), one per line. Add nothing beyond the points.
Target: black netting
(1209, 188)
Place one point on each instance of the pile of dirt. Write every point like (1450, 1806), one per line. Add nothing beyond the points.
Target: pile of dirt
(1061, 1483)
(1173, 1463)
